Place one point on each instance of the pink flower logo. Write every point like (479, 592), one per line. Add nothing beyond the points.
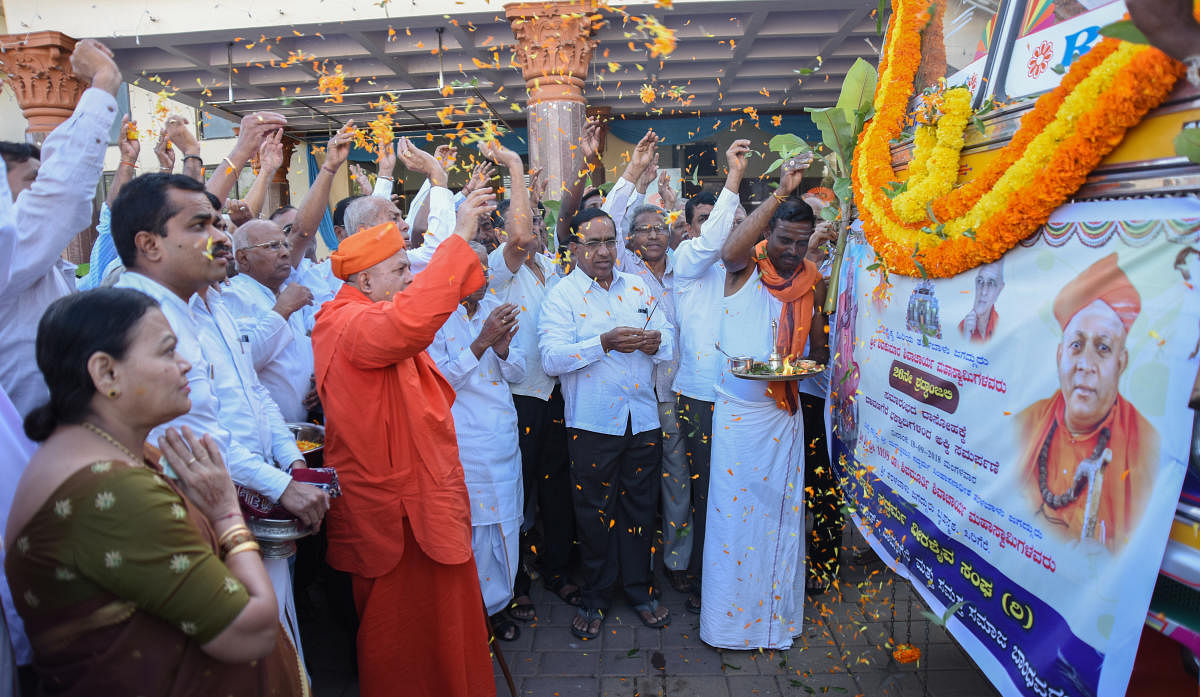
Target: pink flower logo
(1040, 60)
(973, 81)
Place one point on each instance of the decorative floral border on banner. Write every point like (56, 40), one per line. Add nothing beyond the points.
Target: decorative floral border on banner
(1097, 233)
(1068, 132)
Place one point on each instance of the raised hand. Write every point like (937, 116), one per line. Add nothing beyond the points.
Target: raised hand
(93, 61)
(589, 142)
(793, 173)
(198, 464)
(293, 297)
(480, 202)
(497, 328)
(337, 150)
(270, 153)
(164, 152)
(643, 154)
(670, 200)
(387, 160)
(255, 128)
(130, 147)
(824, 233)
(537, 184)
(418, 160)
(479, 176)
(496, 152)
(181, 136)
(736, 156)
(447, 155)
(239, 211)
(361, 178)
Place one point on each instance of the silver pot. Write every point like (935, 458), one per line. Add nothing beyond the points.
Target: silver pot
(741, 364)
(277, 538)
(314, 433)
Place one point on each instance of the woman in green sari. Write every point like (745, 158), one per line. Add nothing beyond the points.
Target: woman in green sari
(128, 582)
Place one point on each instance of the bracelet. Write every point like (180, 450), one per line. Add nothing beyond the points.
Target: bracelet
(229, 162)
(326, 169)
(238, 540)
(127, 162)
(233, 530)
(777, 197)
(193, 157)
(380, 176)
(243, 547)
(165, 170)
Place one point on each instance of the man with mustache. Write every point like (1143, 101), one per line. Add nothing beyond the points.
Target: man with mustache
(1087, 432)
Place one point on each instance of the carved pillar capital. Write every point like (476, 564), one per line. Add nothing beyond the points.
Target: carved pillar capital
(554, 47)
(38, 69)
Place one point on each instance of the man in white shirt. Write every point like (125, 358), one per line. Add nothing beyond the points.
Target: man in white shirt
(522, 272)
(699, 286)
(164, 229)
(475, 353)
(53, 203)
(259, 293)
(599, 336)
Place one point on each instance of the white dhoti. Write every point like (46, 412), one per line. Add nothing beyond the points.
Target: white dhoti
(753, 593)
(281, 579)
(497, 549)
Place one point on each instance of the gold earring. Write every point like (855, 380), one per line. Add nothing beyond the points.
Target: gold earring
(113, 393)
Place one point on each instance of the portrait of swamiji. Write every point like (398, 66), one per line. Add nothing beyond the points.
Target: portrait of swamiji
(1088, 456)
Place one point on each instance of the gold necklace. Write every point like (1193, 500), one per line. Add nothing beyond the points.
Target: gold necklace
(134, 459)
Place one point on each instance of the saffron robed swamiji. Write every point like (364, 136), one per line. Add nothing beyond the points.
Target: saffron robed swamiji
(1089, 457)
(403, 528)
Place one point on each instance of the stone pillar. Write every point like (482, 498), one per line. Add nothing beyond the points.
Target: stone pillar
(554, 47)
(39, 72)
(281, 193)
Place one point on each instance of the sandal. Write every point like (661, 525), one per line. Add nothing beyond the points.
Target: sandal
(522, 611)
(816, 585)
(693, 604)
(592, 621)
(573, 597)
(504, 628)
(680, 581)
(648, 612)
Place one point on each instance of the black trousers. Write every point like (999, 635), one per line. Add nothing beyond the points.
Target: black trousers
(695, 425)
(547, 478)
(615, 488)
(825, 501)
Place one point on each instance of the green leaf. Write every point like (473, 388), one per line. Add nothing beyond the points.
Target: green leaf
(787, 144)
(835, 132)
(1125, 31)
(950, 612)
(696, 176)
(894, 189)
(929, 212)
(1059, 69)
(286, 101)
(879, 10)
(979, 124)
(82, 270)
(1187, 143)
(858, 90)
(774, 166)
(874, 266)
(843, 188)
(969, 233)
(730, 666)
(805, 71)
(827, 213)
(552, 208)
(631, 653)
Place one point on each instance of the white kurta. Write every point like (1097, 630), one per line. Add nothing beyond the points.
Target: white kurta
(485, 423)
(753, 578)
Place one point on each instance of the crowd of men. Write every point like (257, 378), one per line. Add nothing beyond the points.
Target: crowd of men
(499, 405)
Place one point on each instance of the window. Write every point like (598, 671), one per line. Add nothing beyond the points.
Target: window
(216, 126)
(957, 44)
(114, 132)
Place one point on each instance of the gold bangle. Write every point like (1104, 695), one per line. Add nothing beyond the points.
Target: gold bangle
(236, 542)
(244, 547)
(233, 530)
(229, 162)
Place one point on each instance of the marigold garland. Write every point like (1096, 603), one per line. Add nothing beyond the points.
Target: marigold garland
(1066, 134)
(938, 147)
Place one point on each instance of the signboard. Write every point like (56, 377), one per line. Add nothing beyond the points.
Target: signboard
(1014, 438)
(1032, 67)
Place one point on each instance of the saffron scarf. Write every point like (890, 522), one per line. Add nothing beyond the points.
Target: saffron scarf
(796, 294)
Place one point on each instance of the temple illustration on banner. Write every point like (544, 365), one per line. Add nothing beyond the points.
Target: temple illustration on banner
(923, 311)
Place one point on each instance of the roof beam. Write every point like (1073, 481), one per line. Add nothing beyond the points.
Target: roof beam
(740, 53)
(853, 18)
(379, 54)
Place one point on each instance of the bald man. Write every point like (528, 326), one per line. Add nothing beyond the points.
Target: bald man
(981, 320)
(1089, 457)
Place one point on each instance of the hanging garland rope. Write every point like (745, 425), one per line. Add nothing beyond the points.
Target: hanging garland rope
(939, 233)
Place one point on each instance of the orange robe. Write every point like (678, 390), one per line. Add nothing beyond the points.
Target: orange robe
(404, 513)
(1127, 478)
(980, 334)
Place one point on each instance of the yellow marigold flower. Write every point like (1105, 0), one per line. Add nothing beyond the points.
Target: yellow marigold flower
(647, 94)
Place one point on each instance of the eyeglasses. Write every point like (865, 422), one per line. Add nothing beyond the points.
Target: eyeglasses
(273, 246)
(610, 243)
(650, 230)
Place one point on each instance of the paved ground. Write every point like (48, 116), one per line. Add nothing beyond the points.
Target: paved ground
(846, 650)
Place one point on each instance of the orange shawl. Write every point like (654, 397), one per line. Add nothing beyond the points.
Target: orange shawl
(796, 294)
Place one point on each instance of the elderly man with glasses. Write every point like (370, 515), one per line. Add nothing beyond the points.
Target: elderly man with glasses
(602, 333)
(277, 313)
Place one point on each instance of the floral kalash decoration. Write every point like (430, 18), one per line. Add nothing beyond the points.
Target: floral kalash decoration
(925, 225)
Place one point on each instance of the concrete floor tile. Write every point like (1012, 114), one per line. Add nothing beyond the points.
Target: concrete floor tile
(569, 663)
(816, 660)
(559, 687)
(618, 687)
(753, 686)
(561, 639)
(672, 686)
(828, 684)
(960, 683)
(700, 660)
(891, 684)
(623, 663)
(520, 663)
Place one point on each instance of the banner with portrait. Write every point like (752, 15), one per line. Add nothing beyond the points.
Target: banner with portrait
(1014, 439)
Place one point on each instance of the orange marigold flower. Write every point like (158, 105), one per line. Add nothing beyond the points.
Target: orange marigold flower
(647, 94)
(333, 85)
